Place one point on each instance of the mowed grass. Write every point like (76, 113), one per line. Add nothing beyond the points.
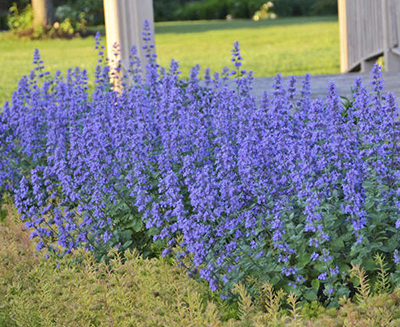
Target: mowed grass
(291, 46)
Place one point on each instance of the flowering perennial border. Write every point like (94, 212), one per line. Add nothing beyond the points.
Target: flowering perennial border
(285, 188)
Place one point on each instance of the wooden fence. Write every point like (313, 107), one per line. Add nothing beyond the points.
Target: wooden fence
(369, 29)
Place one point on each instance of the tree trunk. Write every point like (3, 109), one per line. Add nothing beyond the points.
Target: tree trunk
(43, 13)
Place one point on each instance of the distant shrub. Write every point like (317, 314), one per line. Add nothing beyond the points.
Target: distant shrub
(325, 7)
(165, 10)
(92, 11)
(6, 4)
(287, 190)
(71, 23)
(265, 12)
(3, 21)
(216, 9)
(219, 9)
(20, 20)
(305, 7)
(172, 10)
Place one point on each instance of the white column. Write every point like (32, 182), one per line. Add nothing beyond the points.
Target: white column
(124, 25)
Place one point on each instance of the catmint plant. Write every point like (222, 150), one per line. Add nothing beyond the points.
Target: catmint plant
(285, 188)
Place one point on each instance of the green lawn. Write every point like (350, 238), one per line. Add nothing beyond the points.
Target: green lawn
(288, 45)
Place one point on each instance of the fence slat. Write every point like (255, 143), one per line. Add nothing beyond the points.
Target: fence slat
(368, 29)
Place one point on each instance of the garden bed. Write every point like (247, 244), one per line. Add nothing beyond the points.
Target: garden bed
(289, 193)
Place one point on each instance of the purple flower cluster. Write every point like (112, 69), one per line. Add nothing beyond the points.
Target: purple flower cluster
(282, 188)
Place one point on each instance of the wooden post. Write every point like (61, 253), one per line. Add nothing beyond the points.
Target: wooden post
(368, 64)
(342, 10)
(124, 26)
(391, 14)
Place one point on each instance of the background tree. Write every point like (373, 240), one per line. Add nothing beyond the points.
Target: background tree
(43, 13)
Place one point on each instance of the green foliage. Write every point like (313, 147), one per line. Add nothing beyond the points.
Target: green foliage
(165, 10)
(265, 12)
(131, 232)
(80, 15)
(172, 10)
(91, 10)
(363, 287)
(72, 23)
(312, 310)
(219, 9)
(3, 21)
(20, 20)
(285, 8)
(6, 4)
(88, 5)
(272, 302)
(78, 291)
(382, 284)
(305, 7)
(324, 7)
(246, 308)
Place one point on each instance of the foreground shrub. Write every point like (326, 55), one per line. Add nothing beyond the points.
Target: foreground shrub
(287, 190)
(35, 292)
